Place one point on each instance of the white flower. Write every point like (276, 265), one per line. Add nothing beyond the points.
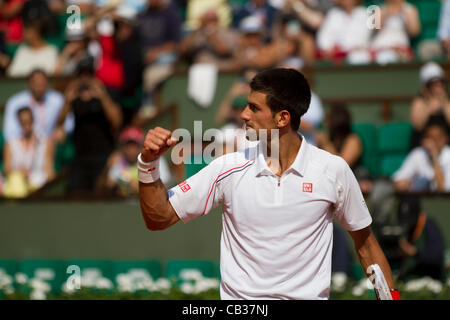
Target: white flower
(187, 288)
(434, 286)
(104, 283)
(68, 288)
(338, 281)
(21, 278)
(5, 280)
(39, 285)
(191, 274)
(38, 295)
(357, 291)
(9, 290)
(163, 284)
(207, 284)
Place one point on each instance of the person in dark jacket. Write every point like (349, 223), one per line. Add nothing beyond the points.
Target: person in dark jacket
(422, 245)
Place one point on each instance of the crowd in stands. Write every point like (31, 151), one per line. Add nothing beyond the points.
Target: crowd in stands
(123, 51)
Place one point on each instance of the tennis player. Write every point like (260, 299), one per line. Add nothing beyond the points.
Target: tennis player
(277, 230)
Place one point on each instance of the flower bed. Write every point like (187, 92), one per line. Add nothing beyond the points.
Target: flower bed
(138, 284)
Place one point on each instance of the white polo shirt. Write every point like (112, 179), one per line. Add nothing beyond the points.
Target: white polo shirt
(277, 234)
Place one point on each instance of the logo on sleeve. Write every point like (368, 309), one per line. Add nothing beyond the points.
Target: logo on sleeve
(307, 187)
(184, 186)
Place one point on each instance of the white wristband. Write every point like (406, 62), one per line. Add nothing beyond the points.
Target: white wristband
(148, 172)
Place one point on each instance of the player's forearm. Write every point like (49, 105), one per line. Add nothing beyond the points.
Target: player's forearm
(155, 206)
(369, 252)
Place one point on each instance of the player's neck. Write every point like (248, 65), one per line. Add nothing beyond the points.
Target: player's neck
(282, 155)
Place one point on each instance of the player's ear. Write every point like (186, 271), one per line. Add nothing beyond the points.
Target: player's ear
(283, 118)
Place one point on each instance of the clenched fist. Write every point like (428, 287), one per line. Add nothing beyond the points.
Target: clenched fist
(156, 143)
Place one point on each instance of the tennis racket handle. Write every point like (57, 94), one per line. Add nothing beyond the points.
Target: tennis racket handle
(395, 294)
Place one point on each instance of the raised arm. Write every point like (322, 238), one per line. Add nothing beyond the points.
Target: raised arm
(156, 209)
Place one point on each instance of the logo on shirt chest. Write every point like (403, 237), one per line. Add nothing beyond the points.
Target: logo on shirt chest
(184, 186)
(307, 187)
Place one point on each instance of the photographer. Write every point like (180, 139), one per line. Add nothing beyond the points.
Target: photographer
(97, 121)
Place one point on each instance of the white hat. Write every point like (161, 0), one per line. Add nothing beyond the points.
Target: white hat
(126, 13)
(251, 24)
(431, 71)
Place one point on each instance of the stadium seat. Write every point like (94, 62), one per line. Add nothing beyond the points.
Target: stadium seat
(394, 137)
(390, 163)
(393, 145)
(152, 266)
(206, 267)
(48, 270)
(367, 132)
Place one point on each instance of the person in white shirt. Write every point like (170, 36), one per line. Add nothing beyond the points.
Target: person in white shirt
(427, 168)
(46, 105)
(34, 53)
(344, 33)
(277, 211)
(31, 157)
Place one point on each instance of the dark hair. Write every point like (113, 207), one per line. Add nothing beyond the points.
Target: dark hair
(436, 121)
(85, 66)
(37, 71)
(286, 89)
(24, 109)
(339, 121)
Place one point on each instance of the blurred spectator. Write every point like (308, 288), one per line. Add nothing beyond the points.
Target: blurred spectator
(444, 26)
(34, 53)
(72, 53)
(45, 103)
(235, 99)
(304, 17)
(57, 7)
(121, 173)
(253, 53)
(10, 20)
(120, 63)
(28, 160)
(312, 119)
(228, 116)
(289, 38)
(261, 9)
(209, 43)
(87, 7)
(399, 23)
(4, 58)
(344, 33)
(427, 168)
(340, 139)
(196, 9)
(97, 121)
(433, 101)
(422, 245)
(160, 32)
